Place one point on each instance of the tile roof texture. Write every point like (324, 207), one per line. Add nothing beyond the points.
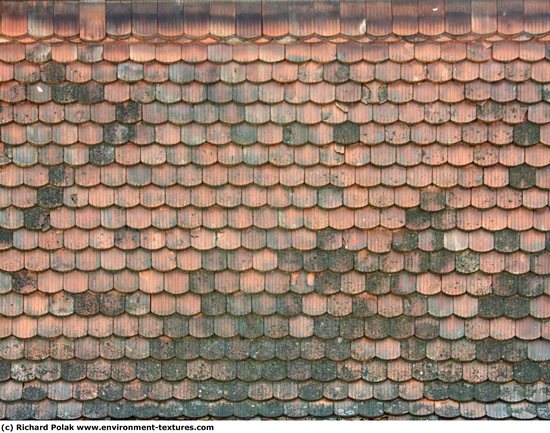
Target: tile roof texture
(275, 209)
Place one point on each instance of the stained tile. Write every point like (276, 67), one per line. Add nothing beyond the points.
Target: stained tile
(92, 21)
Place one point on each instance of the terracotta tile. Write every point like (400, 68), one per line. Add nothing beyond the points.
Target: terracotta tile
(117, 92)
(26, 72)
(535, 199)
(465, 71)
(79, 72)
(518, 72)
(510, 17)
(141, 52)
(401, 52)
(255, 73)
(505, 51)
(539, 219)
(387, 349)
(538, 113)
(439, 72)
(431, 15)
(222, 19)
(517, 263)
(65, 134)
(50, 326)
(477, 91)
(481, 241)
(544, 331)
(6, 72)
(534, 16)
(89, 53)
(502, 328)
(118, 18)
(196, 19)
(349, 53)
(520, 219)
(66, 19)
(465, 306)
(12, 53)
(405, 18)
(104, 72)
(37, 52)
(159, 73)
(503, 92)
(484, 16)
(300, 22)
(495, 176)
(379, 18)
(537, 156)
(167, 134)
(387, 71)
(423, 133)
(16, 24)
(270, 52)
(538, 72)
(170, 19)
(452, 328)
(351, 16)
(509, 199)
(540, 309)
(427, 51)
(475, 133)
(528, 329)
(452, 92)
(92, 22)
(144, 19)
(11, 92)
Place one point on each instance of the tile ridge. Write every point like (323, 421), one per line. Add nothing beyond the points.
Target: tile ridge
(250, 20)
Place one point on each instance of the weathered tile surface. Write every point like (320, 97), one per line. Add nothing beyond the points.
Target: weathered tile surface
(275, 209)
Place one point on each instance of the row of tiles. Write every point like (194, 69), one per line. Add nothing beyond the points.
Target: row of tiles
(156, 103)
(387, 206)
(510, 392)
(202, 180)
(500, 369)
(266, 286)
(291, 227)
(76, 239)
(259, 262)
(243, 20)
(348, 124)
(250, 409)
(251, 20)
(333, 74)
(321, 52)
(281, 327)
(201, 170)
(389, 193)
(224, 359)
(153, 297)
(281, 140)
(263, 165)
(378, 102)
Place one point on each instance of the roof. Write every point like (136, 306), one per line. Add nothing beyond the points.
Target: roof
(275, 209)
